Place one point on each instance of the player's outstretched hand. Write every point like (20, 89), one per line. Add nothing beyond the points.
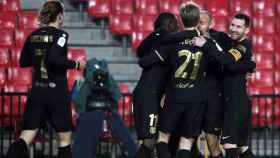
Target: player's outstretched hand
(199, 41)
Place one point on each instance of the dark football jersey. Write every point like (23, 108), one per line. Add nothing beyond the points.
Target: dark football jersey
(46, 51)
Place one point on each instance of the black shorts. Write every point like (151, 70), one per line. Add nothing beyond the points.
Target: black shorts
(48, 104)
(213, 116)
(146, 111)
(237, 119)
(188, 115)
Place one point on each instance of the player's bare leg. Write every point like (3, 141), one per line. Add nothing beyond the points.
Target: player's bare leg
(213, 145)
(185, 146)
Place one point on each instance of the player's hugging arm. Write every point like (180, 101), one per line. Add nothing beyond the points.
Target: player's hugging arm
(158, 55)
(209, 47)
(244, 65)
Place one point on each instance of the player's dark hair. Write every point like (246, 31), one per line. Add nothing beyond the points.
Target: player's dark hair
(49, 12)
(166, 21)
(244, 17)
(190, 15)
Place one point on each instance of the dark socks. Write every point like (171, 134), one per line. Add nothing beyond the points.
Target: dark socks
(232, 153)
(163, 150)
(18, 149)
(183, 154)
(64, 152)
(143, 152)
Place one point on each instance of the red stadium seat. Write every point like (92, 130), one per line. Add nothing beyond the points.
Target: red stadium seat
(221, 23)
(99, 8)
(121, 24)
(124, 88)
(277, 60)
(3, 78)
(137, 38)
(28, 20)
(277, 113)
(262, 112)
(218, 7)
(263, 43)
(6, 38)
(264, 8)
(14, 105)
(169, 6)
(264, 25)
(143, 22)
(8, 20)
(125, 110)
(255, 90)
(76, 54)
(72, 76)
(21, 35)
(277, 77)
(4, 58)
(146, 7)
(122, 7)
(277, 90)
(237, 6)
(10, 5)
(20, 76)
(278, 7)
(15, 55)
(277, 21)
(264, 61)
(264, 78)
(277, 41)
(200, 3)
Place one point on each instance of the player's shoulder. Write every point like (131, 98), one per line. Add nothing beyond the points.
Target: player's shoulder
(219, 35)
(61, 33)
(174, 38)
(247, 42)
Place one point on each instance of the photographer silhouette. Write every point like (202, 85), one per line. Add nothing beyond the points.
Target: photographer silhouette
(96, 98)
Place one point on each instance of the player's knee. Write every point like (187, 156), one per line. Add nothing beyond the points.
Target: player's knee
(28, 135)
(213, 143)
(186, 143)
(149, 143)
(163, 137)
(64, 138)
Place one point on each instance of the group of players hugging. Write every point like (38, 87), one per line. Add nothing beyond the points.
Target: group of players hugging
(194, 80)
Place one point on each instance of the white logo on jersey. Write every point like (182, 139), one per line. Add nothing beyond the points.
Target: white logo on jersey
(61, 41)
(226, 137)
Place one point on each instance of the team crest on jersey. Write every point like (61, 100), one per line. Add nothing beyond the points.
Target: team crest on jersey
(61, 41)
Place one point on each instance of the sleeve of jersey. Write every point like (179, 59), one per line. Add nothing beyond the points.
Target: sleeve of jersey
(158, 55)
(233, 54)
(242, 66)
(55, 55)
(25, 56)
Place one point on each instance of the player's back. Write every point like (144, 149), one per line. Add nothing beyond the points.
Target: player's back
(37, 49)
(187, 62)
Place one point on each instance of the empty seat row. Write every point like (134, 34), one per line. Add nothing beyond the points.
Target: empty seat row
(23, 19)
(265, 112)
(103, 8)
